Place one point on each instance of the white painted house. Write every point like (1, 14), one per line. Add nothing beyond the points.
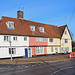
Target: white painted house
(18, 45)
(12, 37)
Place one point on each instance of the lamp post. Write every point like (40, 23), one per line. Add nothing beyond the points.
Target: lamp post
(10, 47)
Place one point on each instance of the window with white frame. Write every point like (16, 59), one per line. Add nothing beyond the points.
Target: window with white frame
(51, 49)
(39, 50)
(6, 38)
(13, 50)
(50, 39)
(66, 40)
(32, 28)
(56, 49)
(39, 39)
(62, 49)
(66, 49)
(45, 39)
(10, 24)
(15, 38)
(25, 38)
(42, 49)
(41, 29)
(65, 32)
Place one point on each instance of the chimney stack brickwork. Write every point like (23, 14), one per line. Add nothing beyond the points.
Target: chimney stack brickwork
(20, 14)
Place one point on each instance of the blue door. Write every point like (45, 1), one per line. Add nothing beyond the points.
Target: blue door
(26, 52)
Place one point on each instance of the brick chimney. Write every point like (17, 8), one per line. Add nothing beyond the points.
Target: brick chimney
(20, 14)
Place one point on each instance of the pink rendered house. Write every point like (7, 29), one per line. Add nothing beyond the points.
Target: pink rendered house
(38, 45)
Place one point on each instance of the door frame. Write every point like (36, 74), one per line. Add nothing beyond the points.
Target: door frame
(31, 52)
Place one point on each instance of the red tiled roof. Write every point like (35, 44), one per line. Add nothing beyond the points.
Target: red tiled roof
(22, 28)
(61, 29)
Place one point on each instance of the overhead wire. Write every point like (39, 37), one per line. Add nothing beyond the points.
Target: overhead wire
(71, 17)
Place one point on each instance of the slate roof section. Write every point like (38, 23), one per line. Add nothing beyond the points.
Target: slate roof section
(22, 28)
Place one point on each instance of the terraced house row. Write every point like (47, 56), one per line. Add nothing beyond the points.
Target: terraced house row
(28, 38)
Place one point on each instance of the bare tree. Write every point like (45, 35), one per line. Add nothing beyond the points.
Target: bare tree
(72, 34)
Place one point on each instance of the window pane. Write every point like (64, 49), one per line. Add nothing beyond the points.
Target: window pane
(5, 38)
(25, 38)
(40, 39)
(32, 28)
(14, 49)
(11, 25)
(37, 39)
(42, 49)
(37, 49)
(65, 32)
(50, 39)
(14, 38)
(62, 49)
(66, 48)
(66, 40)
(51, 49)
(45, 39)
(9, 50)
(41, 29)
(56, 49)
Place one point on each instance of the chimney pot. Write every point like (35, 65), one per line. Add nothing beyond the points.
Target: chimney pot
(20, 14)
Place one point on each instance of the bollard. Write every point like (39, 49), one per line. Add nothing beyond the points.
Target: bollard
(70, 56)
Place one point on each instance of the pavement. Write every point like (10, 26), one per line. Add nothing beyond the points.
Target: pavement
(35, 59)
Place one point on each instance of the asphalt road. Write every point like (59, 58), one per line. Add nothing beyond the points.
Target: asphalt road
(46, 68)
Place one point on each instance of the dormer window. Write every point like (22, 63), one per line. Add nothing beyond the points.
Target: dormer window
(32, 28)
(41, 29)
(10, 24)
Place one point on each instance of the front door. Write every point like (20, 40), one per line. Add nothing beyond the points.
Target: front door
(26, 52)
(29, 52)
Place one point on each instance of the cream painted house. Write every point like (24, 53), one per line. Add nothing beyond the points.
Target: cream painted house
(62, 44)
(66, 42)
(53, 46)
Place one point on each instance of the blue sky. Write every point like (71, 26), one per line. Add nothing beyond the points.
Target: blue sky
(43, 11)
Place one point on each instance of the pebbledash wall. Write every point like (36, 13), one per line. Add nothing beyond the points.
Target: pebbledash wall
(18, 44)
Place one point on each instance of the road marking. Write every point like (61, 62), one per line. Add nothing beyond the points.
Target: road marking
(4, 68)
(61, 70)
